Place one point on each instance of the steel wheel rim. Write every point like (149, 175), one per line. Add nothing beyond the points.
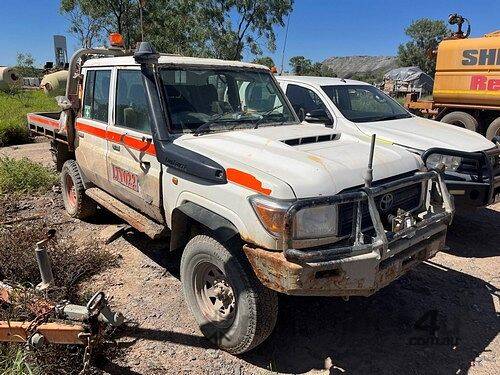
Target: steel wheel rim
(70, 191)
(214, 294)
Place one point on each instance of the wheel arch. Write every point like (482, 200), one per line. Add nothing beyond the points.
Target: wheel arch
(191, 216)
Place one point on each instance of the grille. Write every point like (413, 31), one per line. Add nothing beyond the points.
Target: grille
(407, 198)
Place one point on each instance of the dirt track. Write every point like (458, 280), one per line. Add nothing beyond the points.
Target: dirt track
(322, 335)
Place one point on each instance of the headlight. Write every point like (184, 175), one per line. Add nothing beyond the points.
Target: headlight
(310, 222)
(450, 162)
(315, 222)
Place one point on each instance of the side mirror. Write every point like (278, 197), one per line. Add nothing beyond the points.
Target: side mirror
(318, 116)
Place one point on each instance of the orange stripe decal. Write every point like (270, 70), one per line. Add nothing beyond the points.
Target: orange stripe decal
(128, 140)
(43, 120)
(246, 180)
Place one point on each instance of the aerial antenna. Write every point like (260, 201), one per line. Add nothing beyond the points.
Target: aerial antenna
(284, 44)
(141, 5)
(369, 171)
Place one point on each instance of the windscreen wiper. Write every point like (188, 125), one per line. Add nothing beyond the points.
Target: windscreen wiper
(264, 115)
(203, 127)
(393, 117)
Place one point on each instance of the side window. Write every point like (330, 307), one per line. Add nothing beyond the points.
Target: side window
(301, 97)
(96, 99)
(131, 104)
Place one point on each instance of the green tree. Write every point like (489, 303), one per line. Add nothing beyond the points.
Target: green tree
(305, 67)
(25, 65)
(265, 60)
(87, 30)
(425, 36)
(255, 21)
(115, 16)
(210, 28)
(300, 65)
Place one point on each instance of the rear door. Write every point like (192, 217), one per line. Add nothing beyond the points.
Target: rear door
(92, 125)
(133, 170)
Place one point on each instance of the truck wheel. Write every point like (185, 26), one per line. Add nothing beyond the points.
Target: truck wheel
(493, 129)
(462, 119)
(77, 204)
(233, 309)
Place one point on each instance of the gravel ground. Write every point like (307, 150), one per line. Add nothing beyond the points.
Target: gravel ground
(380, 334)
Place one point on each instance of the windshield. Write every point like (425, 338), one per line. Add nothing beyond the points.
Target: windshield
(364, 103)
(214, 99)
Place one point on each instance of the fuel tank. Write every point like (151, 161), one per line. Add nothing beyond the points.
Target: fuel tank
(468, 71)
(54, 84)
(8, 77)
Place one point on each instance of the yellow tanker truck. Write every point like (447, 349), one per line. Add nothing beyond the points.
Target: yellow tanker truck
(467, 83)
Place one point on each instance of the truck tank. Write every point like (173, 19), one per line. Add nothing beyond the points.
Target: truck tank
(468, 71)
(54, 84)
(8, 77)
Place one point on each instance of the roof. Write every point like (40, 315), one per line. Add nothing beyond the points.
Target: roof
(320, 81)
(172, 59)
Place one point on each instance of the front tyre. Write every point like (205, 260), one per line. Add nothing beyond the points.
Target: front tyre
(76, 203)
(233, 309)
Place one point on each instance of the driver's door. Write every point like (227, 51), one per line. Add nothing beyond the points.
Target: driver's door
(133, 169)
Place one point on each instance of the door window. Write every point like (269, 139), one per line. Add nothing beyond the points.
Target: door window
(303, 98)
(96, 98)
(131, 104)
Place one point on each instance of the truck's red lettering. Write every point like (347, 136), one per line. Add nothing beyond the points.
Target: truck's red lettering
(494, 84)
(478, 82)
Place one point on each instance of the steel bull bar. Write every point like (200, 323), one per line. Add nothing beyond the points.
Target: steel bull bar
(370, 260)
(434, 221)
(477, 186)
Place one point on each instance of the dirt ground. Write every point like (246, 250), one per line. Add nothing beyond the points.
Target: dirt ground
(455, 295)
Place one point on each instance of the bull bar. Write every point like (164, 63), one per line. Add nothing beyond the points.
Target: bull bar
(483, 184)
(384, 243)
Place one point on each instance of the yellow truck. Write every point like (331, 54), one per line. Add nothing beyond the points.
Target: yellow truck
(467, 83)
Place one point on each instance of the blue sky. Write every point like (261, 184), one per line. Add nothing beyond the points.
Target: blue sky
(318, 28)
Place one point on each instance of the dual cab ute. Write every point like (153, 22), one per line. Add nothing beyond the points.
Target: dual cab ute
(472, 162)
(210, 155)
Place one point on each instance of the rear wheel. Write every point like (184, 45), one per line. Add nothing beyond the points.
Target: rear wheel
(493, 129)
(462, 119)
(233, 309)
(76, 203)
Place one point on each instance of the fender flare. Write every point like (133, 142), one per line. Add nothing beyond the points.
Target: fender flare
(188, 213)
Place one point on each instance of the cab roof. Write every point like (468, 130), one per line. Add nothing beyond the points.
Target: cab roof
(320, 81)
(172, 60)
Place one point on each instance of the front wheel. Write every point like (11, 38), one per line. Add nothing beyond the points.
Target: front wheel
(233, 309)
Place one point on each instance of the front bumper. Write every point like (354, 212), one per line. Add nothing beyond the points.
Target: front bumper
(478, 183)
(363, 265)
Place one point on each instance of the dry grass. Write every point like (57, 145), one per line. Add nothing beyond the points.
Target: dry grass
(71, 265)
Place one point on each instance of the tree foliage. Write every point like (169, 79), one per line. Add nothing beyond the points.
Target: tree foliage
(87, 30)
(25, 65)
(305, 67)
(210, 28)
(425, 36)
(265, 60)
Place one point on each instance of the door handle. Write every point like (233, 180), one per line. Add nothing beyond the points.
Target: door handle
(116, 147)
(81, 135)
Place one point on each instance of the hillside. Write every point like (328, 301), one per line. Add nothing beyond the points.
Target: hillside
(348, 66)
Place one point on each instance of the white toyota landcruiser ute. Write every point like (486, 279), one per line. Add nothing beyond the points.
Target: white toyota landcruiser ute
(210, 155)
(472, 162)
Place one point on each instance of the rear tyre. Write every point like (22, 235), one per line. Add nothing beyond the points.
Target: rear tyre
(233, 309)
(76, 203)
(462, 119)
(494, 129)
